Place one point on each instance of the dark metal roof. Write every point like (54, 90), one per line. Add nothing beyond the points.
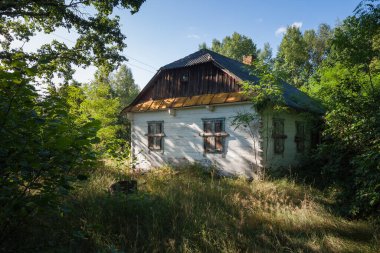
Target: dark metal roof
(204, 55)
(293, 97)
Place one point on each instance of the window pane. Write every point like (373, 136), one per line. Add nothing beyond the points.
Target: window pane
(158, 128)
(279, 146)
(209, 144)
(207, 126)
(212, 143)
(218, 126)
(300, 136)
(150, 142)
(219, 144)
(151, 128)
(157, 143)
(154, 141)
(278, 136)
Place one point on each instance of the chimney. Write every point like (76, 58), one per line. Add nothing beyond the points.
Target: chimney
(248, 59)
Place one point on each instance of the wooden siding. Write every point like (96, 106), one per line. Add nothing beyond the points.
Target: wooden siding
(204, 78)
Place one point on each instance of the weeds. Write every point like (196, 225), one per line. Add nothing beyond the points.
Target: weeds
(188, 210)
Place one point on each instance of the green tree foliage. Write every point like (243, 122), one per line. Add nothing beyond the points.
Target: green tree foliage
(46, 140)
(123, 86)
(348, 83)
(42, 147)
(300, 55)
(100, 40)
(203, 45)
(105, 97)
(318, 45)
(100, 105)
(265, 55)
(235, 46)
(266, 91)
(292, 58)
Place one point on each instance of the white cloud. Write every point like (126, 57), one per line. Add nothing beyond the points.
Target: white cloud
(193, 36)
(297, 24)
(282, 29)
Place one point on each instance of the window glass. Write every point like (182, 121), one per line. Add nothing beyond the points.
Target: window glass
(278, 136)
(155, 135)
(214, 135)
(300, 136)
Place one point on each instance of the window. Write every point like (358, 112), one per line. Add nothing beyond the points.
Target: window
(278, 136)
(155, 135)
(185, 77)
(213, 135)
(300, 136)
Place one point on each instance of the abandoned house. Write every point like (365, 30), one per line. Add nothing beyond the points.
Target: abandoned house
(185, 113)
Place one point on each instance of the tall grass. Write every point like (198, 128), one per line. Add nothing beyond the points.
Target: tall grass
(189, 210)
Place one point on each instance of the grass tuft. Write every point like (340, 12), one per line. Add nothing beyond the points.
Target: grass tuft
(190, 210)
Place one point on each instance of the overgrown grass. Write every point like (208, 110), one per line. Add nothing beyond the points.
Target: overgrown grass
(188, 210)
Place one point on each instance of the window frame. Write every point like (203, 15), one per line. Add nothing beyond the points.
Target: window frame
(155, 136)
(216, 137)
(278, 138)
(300, 138)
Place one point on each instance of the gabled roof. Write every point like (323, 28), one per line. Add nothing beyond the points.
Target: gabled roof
(293, 97)
(236, 68)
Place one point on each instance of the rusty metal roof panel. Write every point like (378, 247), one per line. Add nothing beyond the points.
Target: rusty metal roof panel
(135, 108)
(219, 98)
(145, 106)
(155, 105)
(234, 97)
(166, 103)
(178, 102)
(205, 99)
(192, 101)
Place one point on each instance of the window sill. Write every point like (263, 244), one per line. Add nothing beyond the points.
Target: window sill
(156, 135)
(221, 134)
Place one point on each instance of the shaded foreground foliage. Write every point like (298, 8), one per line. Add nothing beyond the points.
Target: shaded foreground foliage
(47, 140)
(190, 210)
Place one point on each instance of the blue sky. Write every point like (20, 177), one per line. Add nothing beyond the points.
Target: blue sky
(164, 31)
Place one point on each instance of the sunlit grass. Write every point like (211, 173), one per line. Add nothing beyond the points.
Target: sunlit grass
(189, 210)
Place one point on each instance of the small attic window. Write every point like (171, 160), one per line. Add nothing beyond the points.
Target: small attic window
(185, 77)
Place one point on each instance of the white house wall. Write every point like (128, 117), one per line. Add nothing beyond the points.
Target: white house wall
(182, 142)
(290, 157)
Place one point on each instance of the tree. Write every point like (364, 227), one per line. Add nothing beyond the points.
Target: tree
(99, 41)
(292, 58)
(44, 146)
(265, 55)
(300, 55)
(123, 86)
(203, 45)
(318, 45)
(100, 106)
(235, 46)
(46, 140)
(348, 83)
